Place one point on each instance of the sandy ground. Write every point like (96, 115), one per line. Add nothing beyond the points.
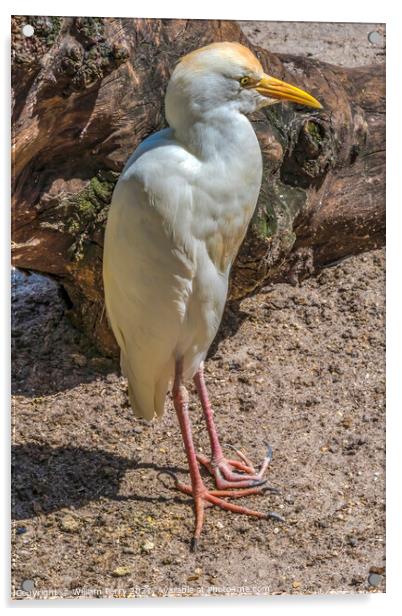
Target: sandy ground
(337, 43)
(302, 368)
(299, 367)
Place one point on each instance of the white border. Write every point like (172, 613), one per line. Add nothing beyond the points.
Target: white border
(289, 10)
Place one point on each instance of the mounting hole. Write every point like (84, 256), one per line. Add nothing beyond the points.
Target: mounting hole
(28, 585)
(375, 38)
(28, 30)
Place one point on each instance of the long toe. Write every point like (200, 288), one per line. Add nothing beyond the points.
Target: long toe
(207, 498)
(236, 480)
(235, 474)
(225, 469)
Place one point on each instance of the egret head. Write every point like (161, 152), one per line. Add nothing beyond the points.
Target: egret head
(225, 74)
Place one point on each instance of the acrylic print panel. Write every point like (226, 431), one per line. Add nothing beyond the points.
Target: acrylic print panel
(298, 361)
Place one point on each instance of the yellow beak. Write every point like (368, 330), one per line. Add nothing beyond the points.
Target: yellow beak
(275, 88)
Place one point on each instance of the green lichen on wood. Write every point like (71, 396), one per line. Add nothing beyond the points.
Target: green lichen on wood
(282, 203)
(91, 57)
(28, 50)
(87, 210)
(47, 28)
(89, 29)
(313, 129)
(265, 224)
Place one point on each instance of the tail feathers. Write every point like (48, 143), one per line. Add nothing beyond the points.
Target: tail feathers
(162, 387)
(143, 408)
(147, 398)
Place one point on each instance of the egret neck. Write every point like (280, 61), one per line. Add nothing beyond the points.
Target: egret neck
(220, 134)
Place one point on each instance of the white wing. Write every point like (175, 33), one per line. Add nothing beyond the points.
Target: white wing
(149, 266)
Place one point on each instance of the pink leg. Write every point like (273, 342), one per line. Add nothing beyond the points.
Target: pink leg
(224, 470)
(201, 495)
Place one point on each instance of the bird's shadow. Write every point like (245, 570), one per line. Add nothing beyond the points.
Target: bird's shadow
(46, 479)
(232, 319)
(46, 346)
(49, 354)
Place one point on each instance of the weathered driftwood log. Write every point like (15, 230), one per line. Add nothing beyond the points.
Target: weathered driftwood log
(86, 91)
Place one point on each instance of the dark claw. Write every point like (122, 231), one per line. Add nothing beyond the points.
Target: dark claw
(258, 482)
(271, 515)
(272, 490)
(230, 446)
(268, 455)
(194, 544)
(171, 474)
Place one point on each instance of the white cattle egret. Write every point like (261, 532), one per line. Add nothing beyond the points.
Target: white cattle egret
(179, 213)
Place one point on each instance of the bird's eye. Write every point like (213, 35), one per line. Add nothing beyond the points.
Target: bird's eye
(244, 81)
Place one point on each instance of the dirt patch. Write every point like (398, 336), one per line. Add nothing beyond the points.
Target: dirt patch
(344, 44)
(299, 367)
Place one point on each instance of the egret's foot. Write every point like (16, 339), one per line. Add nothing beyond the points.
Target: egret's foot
(204, 498)
(230, 473)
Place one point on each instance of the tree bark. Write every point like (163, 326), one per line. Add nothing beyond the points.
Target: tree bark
(87, 91)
